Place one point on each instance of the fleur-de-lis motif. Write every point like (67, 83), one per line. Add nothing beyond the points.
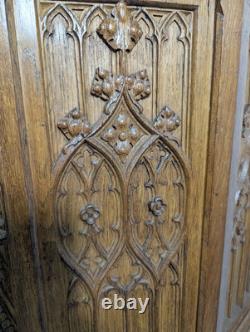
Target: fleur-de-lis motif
(119, 30)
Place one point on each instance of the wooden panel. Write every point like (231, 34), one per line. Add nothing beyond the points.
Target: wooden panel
(70, 41)
(238, 273)
(165, 50)
(234, 298)
(19, 301)
(117, 157)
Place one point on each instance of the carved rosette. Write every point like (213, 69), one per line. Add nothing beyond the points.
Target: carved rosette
(123, 135)
(74, 127)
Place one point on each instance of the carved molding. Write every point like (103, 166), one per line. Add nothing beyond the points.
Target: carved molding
(246, 123)
(242, 195)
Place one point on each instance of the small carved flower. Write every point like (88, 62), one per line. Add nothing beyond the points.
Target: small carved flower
(157, 206)
(74, 124)
(122, 135)
(167, 120)
(89, 214)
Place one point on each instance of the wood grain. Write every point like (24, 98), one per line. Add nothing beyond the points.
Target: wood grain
(118, 114)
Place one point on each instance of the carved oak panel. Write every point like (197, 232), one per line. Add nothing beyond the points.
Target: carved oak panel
(121, 190)
(71, 36)
(238, 278)
(122, 136)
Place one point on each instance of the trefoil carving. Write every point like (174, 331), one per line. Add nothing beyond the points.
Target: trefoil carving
(167, 121)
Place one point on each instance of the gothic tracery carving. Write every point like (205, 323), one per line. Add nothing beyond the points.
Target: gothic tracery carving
(95, 181)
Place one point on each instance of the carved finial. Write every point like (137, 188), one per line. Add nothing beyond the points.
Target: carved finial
(167, 120)
(73, 124)
(119, 30)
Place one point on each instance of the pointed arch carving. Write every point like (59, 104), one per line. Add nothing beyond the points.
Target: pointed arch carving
(61, 47)
(175, 52)
(121, 186)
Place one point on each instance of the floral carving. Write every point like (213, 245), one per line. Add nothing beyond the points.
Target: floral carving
(156, 206)
(119, 30)
(89, 214)
(167, 120)
(73, 124)
(123, 135)
(138, 84)
(109, 87)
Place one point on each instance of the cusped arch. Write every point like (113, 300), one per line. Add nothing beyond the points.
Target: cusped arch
(63, 11)
(177, 18)
(163, 226)
(142, 14)
(90, 16)
(84, 247)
